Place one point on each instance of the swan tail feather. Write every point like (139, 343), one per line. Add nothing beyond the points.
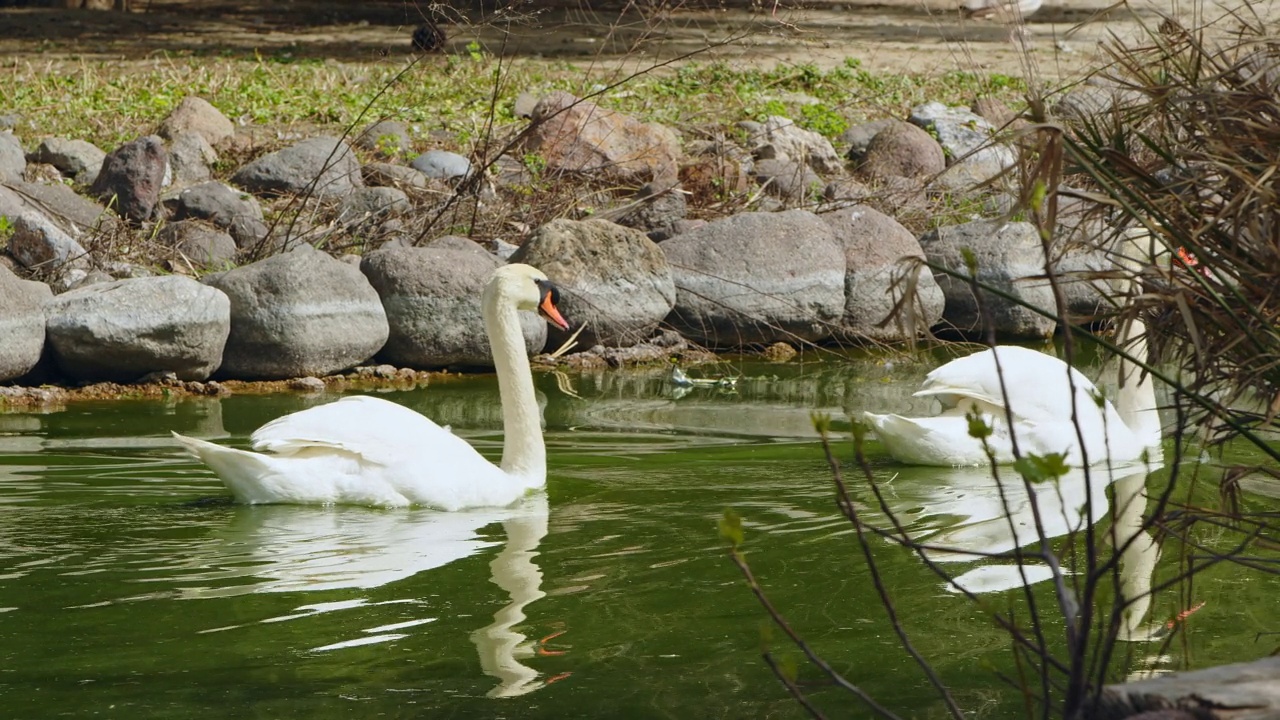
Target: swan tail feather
(246, 474)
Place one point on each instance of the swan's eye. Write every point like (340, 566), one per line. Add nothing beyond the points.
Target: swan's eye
(548, 301)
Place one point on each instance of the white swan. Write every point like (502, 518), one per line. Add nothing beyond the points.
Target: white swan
(1042, 403)
(366, 451)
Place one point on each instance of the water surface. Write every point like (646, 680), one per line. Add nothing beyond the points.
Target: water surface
(131, 587)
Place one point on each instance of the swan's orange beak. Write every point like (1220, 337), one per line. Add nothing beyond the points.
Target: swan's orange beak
(547, 306)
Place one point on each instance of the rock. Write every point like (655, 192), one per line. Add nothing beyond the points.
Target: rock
(1006, 255)
(441, 165)
(858, 137)
(386, 138)
(716, 170)
(203, 246)
(994, 111)
(190, 156)
(503, 249)
(41, 245)
(119, 270)
(779, 352)
(845, 191)
(78, 278)
(397, 176)
(457, 242)
(779, 138)
(902, 150)
(788, 180)
(74, 215)
(524, 105)
(299, 313)
(967, 140)
(13, 161)
(1088, 297)
(656, 210)
(756, 279)
(196, 115)
(874, 244)
(123, 330)
(132, 177)
(1095, 98)
(324, 166)
(612, 279)
(236, 212)
(573, 135)
(73, 158)
(371, 203)
(307, 384)
(432, 301)
(21, 324)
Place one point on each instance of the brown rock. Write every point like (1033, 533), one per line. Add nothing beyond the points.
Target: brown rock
(902, 150)
(579, 136)
(196, 115)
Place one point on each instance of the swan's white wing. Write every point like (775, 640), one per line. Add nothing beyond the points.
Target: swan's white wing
(1036, 384)
(377, 430)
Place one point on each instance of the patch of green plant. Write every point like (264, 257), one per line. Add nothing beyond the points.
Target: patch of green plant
(822, 119)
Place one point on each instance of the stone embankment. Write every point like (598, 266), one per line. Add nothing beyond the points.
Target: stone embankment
(313, 257)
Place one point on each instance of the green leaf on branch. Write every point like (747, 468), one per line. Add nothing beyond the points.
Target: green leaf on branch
(731, 528)
(1041, 468)
(978, 427)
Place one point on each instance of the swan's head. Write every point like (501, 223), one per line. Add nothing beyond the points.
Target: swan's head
(528, 288)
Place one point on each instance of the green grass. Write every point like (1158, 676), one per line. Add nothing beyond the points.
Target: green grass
(109, 103)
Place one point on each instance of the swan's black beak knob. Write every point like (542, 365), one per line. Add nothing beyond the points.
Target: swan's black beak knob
(548, 302)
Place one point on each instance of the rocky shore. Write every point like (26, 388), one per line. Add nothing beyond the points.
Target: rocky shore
(205, 254)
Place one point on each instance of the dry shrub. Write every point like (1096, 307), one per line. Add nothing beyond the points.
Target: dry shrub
(1189, 151)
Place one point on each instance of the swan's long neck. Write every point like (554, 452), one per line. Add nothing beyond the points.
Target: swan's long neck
(523, 454)
(1136, 400)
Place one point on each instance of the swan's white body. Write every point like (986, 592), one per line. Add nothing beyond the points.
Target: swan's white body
(1048, 401)
(1041, 402)
(366, 451)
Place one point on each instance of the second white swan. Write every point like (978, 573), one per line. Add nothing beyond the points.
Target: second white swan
(367, 451)
(1047, 399)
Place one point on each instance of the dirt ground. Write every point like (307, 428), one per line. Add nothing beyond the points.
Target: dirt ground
(889, 35)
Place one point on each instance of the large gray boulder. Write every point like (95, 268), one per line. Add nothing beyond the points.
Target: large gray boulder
(613, 279)
(432, 299)
(299, 313)
(874, 246)
(324, 166)
(757, 278)
(1007, 256)
(21, 323)
(124, 330)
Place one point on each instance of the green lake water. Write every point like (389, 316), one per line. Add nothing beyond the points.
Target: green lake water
(130, 587)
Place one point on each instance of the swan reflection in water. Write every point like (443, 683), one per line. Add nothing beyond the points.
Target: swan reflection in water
(292, 549)
(961, 515)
